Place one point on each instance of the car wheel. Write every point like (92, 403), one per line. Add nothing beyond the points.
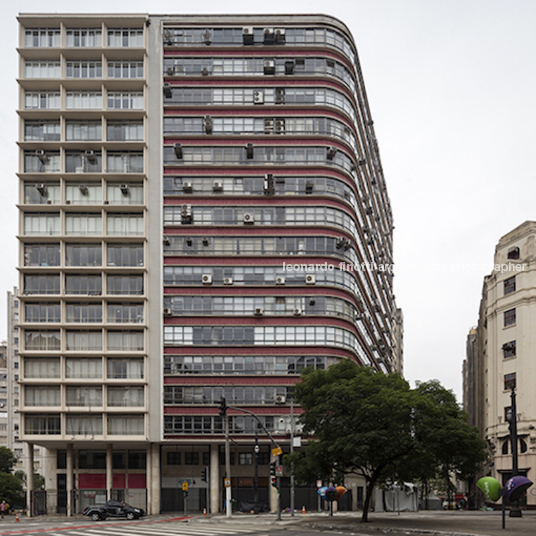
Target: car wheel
(95, 516)
(130, 515)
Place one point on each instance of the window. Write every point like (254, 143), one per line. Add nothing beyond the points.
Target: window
(513, 253)
(83, 368)
(83, 194)
(124, 162)
(42, 284)
(83, 162)
(126, 425)
(42, 131)
(86, 341)
(47, 193)
(42, 224)
(191, 458)
(88, 224)
(41, 368)
(42, 312)
(42, 37)
(90, 284)
(125, 69)
(124, 131)
(44, 100)
(245, 458)
(83, 255)
(83, 37)
(125, 312)
(125, 225)
(83, 100)
(84, 312)
(510, 381)
(42, 69)
(509, 349)
(510, 285)
(83, 396)
(41, 255)
(125, 37)
(125, 369)
(42, 340)
(87, 425)
(126, 396)
(124, 284)
(42, 424)
(137, 459)
(173, 458)
(506, 446)
(125, 341)
(92, 459)
(509, 317)
(86, 131)
(125, 100)
(124, 194)
(42, 396)
(37, 162)
(83, 69)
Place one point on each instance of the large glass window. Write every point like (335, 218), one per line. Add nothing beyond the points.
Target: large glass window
(83, 100)
(125, 312)
(125, 255)
(42, 37)
(125, 369)
(42, 312)
(124, 131)
(44, 100)
(83, 255)
(89, 341)
(124, 162)
(125, 341)
(42, 396)
(42, 424)
(125, 284)
(86, 425)
(83, 396)
(42, 340)
(42, 131)
(125, 37)
(126, 424)
(41, 255)
(83, 162)
(84, 312)
(42, 69)
(42, 161)
(84, 368)
(125, 225)
(42, 193)
(41, 283)
(509, 317)
(83, 131)
(124, 194)
(125, 69)
(83, 69)
(83, 224)
(41, 368)
(83, 37)
(41, 224)
(126, 396)
(90, 284)
(125, 100)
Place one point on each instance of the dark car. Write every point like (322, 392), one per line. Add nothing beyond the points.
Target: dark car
(113, 509)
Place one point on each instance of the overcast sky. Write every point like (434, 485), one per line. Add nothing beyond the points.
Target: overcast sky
(451, 86)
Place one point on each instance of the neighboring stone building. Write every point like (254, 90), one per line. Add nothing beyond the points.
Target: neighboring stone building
(501, 354)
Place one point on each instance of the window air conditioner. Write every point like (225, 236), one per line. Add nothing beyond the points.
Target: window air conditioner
(280, 399)
(248, 219)
(258, 97)
(187, 187)
(83, 189)
(90, 155)
(167, 312)
(167, 91)
(280, 35)
(41, 154)
(269, 67)
(41, 188)
(124, 188)
(310, 279)
(206, 279)
(217, 186)
(247, 35)
(177, 147)
(331, 152)
(227, 280)
(259, 311)
(298, 312)
(280, 281)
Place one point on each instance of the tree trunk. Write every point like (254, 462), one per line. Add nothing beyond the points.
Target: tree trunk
(368, 498)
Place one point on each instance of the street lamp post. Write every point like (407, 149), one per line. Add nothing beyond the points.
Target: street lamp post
(515, 511)
(291, 451)
(256, 480)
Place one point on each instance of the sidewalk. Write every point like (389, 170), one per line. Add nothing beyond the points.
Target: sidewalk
(451, 523)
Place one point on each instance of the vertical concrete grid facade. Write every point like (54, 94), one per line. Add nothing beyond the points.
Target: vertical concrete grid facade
(500, 356)
(203, 214)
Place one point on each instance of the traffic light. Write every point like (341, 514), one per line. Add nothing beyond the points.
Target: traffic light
(273, 478)
(223, 407)
(204, 475)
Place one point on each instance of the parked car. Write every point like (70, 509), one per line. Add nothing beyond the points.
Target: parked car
(113, 509)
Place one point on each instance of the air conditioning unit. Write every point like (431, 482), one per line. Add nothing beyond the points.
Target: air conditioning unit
(41, 188)
(247, 35)
(269, 188)
(289, 67)
(249, 151)
(269, 67)
(280, 35)
(207, 37)
(259, 311)
(49, 201)
(298, 312)
(258, 97)
(42, 155)
(124, 188)
(90, 155)
(205, 71)
(309, 187)
(207, 120)
(310, 279)
(206, 279)
(279, 280)
(331, 152)
(187, 187)
(166, 242)
(227, 280)
(217, 186)
(167, 312)
(170, 71)
(269, 36)
(205, 241)
(177, 147)
(248, 219)
(167, 91)
(280, 399)
(67, 201)
(83, 189)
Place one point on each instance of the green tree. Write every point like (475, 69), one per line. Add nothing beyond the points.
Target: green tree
(360, 422)
(7, 460)
(11, 490)
(370, 424)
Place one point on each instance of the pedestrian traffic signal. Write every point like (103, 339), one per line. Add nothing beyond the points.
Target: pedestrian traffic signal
(223, 407)
(204, 475)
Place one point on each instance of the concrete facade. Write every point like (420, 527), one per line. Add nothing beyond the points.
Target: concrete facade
(203, 214)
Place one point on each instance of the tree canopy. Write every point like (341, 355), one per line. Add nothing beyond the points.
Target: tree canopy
(7, 460)
(371, 424)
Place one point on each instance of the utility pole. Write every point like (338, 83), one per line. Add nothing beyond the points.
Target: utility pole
(291, 451)
(225, 417)
(514, 510)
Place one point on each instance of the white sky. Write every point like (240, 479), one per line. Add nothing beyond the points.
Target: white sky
(451, 86)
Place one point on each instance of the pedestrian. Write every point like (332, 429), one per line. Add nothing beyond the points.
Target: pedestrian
(3, 508)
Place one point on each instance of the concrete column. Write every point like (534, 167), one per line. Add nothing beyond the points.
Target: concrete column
(273, 491)
(154, 483)
(70, 479)
(109, 470)
(214, 481)
(149, 479)
(51, 480)
(30, 480)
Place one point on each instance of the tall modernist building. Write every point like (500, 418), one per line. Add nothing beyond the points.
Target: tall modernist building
(500, 356)
(203, 213)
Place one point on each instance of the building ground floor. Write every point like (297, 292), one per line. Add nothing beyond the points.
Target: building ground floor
(170, 477)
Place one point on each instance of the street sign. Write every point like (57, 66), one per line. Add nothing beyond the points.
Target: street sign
(319, 483)
(185, 486)
(278, 470)
(277, 451)
(227, 482)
